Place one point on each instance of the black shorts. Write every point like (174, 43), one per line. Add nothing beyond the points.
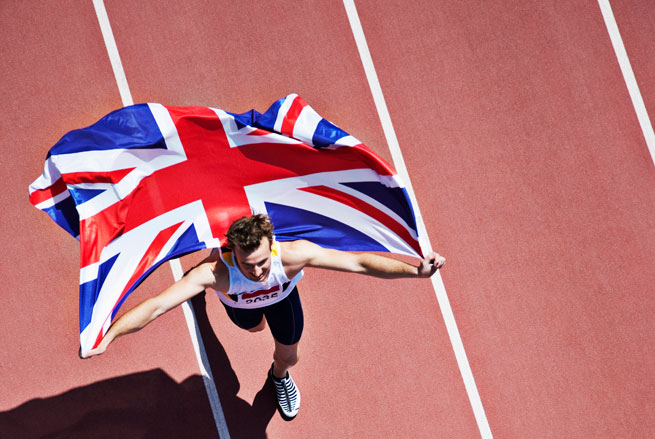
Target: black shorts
(285, 318)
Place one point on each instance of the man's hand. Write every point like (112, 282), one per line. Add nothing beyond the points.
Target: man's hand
(92, 353)
(430, 264)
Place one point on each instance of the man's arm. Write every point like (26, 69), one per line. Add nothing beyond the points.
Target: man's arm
(307, 254)
(193, 283)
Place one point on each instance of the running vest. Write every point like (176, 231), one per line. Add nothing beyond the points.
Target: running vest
(245, 293)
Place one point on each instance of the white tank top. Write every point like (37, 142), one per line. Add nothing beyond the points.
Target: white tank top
(245, 293)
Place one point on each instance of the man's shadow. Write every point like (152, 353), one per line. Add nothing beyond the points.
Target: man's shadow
(148, 404)
(243, 420)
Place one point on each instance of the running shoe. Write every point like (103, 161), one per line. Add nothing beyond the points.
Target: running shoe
(288, 396)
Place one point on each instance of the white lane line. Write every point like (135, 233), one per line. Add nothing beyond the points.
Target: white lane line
(176, 267)
(399, 163)
(112, 51)
(628, 76)
(201, 356)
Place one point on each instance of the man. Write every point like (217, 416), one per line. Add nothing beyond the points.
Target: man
(255, 279)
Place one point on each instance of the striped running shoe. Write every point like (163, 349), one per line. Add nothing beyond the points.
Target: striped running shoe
(288, 396)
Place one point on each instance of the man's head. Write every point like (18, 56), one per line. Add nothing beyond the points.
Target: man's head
(250, 239)
(248, 231)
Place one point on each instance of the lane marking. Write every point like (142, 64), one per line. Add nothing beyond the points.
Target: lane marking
(628, 76)
(399, 163)
(201, 357)
(112, 51)
(176, 267)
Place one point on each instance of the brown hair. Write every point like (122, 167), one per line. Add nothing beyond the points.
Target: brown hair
(247, 232)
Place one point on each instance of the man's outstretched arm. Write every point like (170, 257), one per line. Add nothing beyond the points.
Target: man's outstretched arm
(307, 254)
(138, 317)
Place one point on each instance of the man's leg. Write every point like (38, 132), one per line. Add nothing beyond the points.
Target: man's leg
(286, 391)
(285, 320)
(284, 357)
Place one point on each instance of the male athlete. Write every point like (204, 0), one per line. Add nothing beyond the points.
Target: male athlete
(255, 277)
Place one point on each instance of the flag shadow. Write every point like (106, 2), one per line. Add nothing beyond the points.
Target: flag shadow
(141, 405)
(148, 404)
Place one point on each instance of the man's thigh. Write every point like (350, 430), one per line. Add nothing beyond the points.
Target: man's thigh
(286, 320)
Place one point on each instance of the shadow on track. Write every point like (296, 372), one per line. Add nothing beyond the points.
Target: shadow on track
(147, 404)
(243, 420)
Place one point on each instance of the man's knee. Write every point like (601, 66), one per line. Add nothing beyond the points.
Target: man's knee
(287, 359)
(288, 356)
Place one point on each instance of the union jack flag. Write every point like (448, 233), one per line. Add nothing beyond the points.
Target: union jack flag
(148, 183)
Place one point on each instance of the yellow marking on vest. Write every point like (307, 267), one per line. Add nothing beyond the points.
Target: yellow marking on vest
(275, 248)
(228, 258)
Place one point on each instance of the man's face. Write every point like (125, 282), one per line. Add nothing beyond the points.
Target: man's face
(255, 265)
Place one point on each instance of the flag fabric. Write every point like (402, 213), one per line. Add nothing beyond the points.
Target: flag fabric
(148, 183)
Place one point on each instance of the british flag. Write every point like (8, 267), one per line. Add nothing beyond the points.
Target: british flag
(148, 183)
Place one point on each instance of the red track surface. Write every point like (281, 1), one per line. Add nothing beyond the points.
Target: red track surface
(529, 165)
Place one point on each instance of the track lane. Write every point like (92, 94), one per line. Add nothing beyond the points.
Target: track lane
(301, 49)
(46, 89)
(529, 155)
(58, 78)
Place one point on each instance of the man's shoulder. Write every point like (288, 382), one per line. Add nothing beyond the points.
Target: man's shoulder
(297, 245)
(300, 252)
(211, 271)
(294, 252)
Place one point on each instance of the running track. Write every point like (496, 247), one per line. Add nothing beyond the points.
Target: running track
(529, 165)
